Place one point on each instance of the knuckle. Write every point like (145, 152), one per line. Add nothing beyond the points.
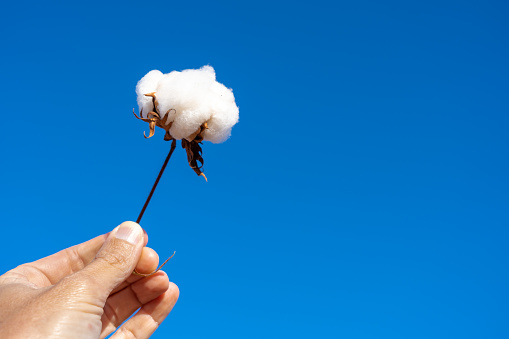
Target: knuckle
(74, 259)
(115, 259)
(127, 333)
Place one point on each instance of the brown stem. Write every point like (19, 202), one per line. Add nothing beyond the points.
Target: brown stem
(173, 145)
(157, 270)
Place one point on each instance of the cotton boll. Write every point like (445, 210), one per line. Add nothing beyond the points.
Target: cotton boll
(147, 84)
(192, 106)
(189, 99)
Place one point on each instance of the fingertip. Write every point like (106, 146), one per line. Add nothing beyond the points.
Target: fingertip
(148, 262)
(130, 232)
(173, 291)
(130, 224)
(145, 234)
(162, 280)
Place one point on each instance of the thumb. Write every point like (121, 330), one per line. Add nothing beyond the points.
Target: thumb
(116, 259)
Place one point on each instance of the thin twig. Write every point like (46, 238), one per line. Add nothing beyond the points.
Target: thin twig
(149, 274)
(173, 145)
(172, 148)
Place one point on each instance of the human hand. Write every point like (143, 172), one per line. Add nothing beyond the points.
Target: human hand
(87, 291)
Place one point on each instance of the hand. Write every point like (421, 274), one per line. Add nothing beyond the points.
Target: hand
(87, 291)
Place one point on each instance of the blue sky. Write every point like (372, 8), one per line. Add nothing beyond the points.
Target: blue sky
(363, 194)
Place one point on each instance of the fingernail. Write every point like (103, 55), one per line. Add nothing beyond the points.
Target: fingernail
(129, 232)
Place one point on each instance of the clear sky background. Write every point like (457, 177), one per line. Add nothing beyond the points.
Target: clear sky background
(363, 194)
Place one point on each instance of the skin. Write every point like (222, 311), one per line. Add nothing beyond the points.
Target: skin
(88, 291)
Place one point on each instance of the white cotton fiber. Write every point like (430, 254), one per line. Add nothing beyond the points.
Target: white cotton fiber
(147, 84)
(191, 98)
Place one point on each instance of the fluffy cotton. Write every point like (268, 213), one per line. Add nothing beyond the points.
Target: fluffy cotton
(147, 84)
(190, 98)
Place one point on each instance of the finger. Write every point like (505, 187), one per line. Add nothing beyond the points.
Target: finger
(114, 262)
(148, 263)
(148, 318)
(123, 304)
(51, 269)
